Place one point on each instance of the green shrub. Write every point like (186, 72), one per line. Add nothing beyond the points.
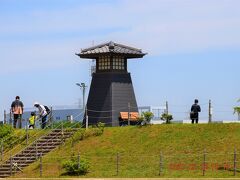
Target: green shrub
(147, 116)
(17, 137)
(65, 124)
(99, 130)
(11, 136)
(95, 132)
(101, 126)
(79, 135)
(5, 130)
(166, 117)
(82, 134)
(73, 167)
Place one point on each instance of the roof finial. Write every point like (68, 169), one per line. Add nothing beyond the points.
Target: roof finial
(111, 45)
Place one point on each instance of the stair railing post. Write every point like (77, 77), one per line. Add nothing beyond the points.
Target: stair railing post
(51, 118)
(40, 165)
(2, 150)
(204, 162)
(11, 165)
(62, 127)
(10, 118)
(117, 165)
(27, 132)
(5, 117)
(52, 125)
(62, 131)
(235, 162)
(160, 164)
(36, 155)
(78, 160)
(72, 144)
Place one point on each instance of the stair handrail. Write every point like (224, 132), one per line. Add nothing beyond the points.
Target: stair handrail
(33, 143)
(45, 135)
(38, 119)
(36, 139)
(51, 138)
(32, 137)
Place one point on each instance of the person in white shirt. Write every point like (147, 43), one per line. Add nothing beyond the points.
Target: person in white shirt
(42, 113)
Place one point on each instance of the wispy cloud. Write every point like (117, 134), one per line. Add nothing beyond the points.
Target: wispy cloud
(157, 26)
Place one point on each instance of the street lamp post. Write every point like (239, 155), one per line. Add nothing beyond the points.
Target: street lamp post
(83, 87)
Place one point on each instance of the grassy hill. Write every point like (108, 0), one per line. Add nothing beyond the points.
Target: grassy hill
(135, 152)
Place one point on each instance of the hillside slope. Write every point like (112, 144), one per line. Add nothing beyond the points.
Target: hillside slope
(135, 152)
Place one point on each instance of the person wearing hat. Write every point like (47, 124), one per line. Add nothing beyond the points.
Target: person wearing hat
(195, 109)
(42, 113)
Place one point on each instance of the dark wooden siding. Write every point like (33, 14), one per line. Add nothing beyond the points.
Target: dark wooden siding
(110, 94)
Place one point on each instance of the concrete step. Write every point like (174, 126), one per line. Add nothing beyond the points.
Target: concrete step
(46, 138)
(44, 144)
(33, 149)
(8, 168)
(20, 161)
(38, 149)
(3, 176)
(60, 134)
(24, 158)
(8, 165)
(52, 140)
(57, 137)
(4, 168)
(9, 172)
(42, 149)
(31, 154)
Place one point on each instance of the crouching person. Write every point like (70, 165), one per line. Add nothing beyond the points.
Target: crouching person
(32, 120)
(42, 113)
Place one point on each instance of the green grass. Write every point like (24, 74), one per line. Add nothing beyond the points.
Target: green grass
(139, 148)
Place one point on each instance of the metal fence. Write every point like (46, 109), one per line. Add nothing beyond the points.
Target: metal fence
(203, 164)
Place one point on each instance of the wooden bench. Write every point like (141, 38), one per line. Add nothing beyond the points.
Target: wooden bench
(133, 116)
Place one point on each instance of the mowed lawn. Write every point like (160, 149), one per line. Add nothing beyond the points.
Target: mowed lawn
(175, 150)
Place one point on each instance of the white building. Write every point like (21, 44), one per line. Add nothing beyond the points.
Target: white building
(156, 110)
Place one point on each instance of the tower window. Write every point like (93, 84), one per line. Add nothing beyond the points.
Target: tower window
(104, 63)
(118, 62)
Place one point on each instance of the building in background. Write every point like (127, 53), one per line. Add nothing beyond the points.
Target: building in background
(156, 110)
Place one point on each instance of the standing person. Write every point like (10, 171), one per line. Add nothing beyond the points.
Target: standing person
(17, 110)
(42, 112)
(195, 109)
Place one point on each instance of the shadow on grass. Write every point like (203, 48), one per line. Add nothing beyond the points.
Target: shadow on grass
(72, 174)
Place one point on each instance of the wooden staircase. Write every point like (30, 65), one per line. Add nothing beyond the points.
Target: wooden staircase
(32, 153)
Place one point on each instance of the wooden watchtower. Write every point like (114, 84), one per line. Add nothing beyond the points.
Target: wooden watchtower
(111, 90)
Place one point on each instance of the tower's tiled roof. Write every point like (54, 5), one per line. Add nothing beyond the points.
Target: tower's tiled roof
(111, 47)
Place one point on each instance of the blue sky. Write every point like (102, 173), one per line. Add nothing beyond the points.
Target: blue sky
(192, 45)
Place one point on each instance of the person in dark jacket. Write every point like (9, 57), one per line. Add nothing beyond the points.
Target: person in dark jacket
(17, 110)
(195, 109)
